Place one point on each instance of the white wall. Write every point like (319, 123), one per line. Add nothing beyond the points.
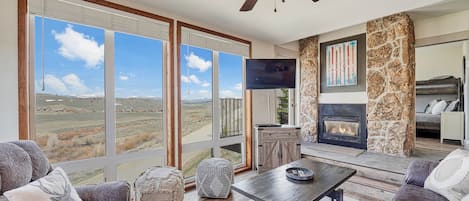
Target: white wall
(436, 60)
(350, 97)
(9, 72)
(446, 24)
(263, 101)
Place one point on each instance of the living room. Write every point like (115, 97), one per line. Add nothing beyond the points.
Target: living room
(109, 89)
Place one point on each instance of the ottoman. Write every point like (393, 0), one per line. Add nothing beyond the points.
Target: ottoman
(214, 177)
(159, 184)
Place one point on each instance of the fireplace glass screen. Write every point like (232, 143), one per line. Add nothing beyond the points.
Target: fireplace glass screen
(342, 128)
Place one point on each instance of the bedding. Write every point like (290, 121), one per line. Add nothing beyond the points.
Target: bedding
(428, 121)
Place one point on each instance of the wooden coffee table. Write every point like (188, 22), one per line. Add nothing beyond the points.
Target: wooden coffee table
(274, 185)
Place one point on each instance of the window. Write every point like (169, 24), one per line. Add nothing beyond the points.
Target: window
(99, 91)
(69, 85)
(212, 99)
(139, 93)
(196, 94)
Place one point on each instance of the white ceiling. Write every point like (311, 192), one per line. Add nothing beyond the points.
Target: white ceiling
(295, 19)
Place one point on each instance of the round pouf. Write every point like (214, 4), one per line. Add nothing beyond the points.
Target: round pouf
(214, 178)
(160, 184)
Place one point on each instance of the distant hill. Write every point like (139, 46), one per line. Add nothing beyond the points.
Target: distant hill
(58, 103)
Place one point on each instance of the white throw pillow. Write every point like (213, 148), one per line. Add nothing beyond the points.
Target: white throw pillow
(54, 186)
(451, 177)
(439, 107)
(452, 106)
(429, 107)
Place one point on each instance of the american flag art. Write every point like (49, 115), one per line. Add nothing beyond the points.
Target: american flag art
(341, 64)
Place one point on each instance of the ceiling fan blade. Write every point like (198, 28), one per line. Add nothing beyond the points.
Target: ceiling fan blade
(248, 5)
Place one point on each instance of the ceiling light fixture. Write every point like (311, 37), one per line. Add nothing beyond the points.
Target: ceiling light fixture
(249, 5)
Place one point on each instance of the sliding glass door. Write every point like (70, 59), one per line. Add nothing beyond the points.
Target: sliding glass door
(212, 107)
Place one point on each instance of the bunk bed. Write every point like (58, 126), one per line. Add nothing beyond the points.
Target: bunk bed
(446, 88)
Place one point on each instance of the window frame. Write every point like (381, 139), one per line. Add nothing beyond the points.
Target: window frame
(172, 105)
(216, 142)
(111, 160)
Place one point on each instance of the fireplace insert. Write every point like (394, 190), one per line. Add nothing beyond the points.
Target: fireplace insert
(343, 124)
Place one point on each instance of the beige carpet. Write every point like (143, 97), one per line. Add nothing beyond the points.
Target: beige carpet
(334, 149)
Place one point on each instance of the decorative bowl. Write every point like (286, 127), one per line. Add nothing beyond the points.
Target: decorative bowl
(299, 173)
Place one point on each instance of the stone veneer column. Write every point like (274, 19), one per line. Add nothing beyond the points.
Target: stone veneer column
(391, 85)
(309, 87)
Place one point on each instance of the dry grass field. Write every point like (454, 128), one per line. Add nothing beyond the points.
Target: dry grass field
(71, 128)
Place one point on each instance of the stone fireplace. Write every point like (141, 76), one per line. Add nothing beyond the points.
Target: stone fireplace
(390, 92)
(343, 124)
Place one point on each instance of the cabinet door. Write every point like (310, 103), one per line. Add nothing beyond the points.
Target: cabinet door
(290, 151)
(270, 155)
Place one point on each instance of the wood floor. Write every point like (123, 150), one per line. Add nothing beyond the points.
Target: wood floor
(434, 144)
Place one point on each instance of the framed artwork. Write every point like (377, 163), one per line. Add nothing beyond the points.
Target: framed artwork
(343, 65)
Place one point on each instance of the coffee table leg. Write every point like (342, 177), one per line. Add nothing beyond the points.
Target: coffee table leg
(337, 195)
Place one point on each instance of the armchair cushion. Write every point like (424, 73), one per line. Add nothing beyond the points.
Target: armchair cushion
(409, 192)
(111, 191)
(40, 163)
(418, 172)
(15, 167)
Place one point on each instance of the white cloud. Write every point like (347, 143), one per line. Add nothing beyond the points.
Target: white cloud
(185, 79)
(239, 86)
(70, 85)
(194, 61)
(205, 84)
(204, 92)
(54, 83)
(190, 79)
(75, 84)
(78, 46)
(123, 77)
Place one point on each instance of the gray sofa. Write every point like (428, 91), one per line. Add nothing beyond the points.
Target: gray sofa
(413, 190)
(23, 161)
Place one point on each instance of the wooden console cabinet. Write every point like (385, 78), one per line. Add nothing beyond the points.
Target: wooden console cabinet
(276, 146)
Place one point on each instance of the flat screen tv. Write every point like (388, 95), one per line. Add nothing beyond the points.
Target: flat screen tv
(270, 73)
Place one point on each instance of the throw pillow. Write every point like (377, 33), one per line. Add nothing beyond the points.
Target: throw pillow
(452, 106)
(451, 177)
(439, 107)
(54, 186)
(430, 106)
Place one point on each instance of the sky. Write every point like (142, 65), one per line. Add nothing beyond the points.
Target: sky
(74, 65)
(197, 73)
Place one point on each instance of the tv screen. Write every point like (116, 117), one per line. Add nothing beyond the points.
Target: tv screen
(270, 73)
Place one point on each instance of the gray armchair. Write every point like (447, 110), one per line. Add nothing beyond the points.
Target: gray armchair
(23, 161)
(417, 173)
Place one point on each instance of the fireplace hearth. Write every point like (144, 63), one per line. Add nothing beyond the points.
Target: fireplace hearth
(343, 124)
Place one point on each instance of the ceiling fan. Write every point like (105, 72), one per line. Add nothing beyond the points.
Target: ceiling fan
(249, 5)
